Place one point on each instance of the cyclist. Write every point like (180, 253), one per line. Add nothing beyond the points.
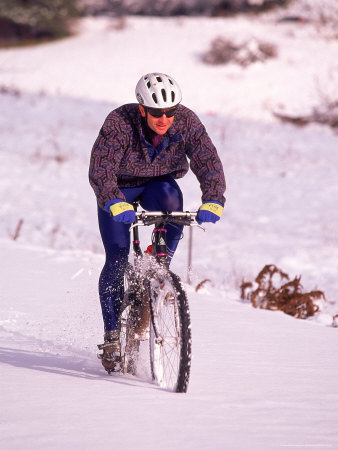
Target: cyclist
(140, 150)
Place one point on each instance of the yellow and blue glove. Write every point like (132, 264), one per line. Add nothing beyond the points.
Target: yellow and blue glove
(122, 211)
(209, 212)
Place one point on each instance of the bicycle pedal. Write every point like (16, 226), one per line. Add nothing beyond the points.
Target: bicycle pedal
(109, 345)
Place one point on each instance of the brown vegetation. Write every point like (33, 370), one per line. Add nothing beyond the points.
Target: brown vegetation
(289, 297)
(223, 51)
(326, 114)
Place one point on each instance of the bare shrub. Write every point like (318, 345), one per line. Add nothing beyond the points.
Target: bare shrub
(7, 90)
(50, 153)
(325, 114)
(323, 15)
(223, 51)
(177, 7)
(118, 23)
(33, 21)
(287, 297)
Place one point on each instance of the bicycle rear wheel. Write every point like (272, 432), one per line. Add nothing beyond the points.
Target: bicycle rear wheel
(134, 320)
(170, 333)
(129, 345)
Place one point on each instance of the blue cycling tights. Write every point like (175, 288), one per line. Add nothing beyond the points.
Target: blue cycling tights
(159, 194)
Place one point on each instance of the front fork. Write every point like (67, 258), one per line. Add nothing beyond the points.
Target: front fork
(159, 245)
(158, 242)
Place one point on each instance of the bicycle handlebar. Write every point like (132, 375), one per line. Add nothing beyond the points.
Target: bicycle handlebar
(152, 217)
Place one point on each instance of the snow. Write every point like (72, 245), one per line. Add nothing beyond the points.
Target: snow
(259, 379)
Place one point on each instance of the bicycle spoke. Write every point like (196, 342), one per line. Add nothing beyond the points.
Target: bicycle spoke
(170, 368)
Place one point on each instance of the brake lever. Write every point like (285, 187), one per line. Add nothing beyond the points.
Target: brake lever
(195, 224)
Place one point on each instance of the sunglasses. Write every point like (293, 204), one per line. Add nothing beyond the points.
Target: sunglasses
(155, 112)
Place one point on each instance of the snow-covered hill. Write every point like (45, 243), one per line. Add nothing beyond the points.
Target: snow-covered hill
(260, 380)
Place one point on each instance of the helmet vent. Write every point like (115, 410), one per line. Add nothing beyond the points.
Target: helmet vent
(164, 94)
(159, 79)
(170, 81)
(154, 98)
(148, 84)
(172, 96)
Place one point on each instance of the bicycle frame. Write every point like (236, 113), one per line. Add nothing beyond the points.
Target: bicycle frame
(156, 307)
(158, 239)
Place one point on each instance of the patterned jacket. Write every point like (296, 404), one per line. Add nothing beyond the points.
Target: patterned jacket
(120, 156)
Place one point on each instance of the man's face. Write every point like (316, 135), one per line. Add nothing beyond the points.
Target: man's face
(160, 125)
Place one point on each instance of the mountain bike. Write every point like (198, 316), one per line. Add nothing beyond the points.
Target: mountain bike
(155, 306)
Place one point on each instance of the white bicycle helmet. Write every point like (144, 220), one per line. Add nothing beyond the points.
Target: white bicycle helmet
(158, 90)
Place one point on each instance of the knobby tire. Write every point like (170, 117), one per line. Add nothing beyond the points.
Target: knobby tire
(133, 298)
(170, 333)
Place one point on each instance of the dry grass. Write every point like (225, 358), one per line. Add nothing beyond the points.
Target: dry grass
(224, 51)
(326, 114)
(288, 297)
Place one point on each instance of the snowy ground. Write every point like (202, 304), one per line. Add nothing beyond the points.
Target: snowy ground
(260, 380)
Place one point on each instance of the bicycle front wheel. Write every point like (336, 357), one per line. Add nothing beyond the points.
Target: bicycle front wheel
(170, 333)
